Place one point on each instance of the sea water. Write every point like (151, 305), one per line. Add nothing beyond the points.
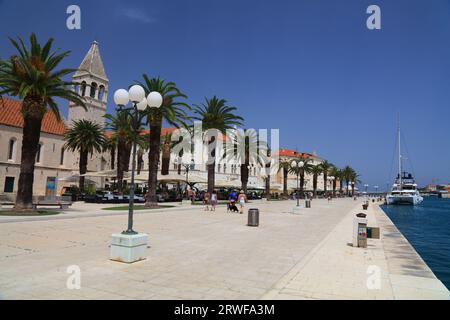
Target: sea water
(427, 228)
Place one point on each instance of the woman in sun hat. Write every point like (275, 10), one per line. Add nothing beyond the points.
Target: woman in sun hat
(242, 200)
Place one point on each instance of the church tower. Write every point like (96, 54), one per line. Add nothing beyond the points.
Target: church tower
(93, 86)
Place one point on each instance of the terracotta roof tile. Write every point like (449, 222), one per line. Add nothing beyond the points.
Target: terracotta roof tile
(10, 115)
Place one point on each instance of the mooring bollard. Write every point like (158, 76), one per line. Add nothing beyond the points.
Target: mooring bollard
(253, 218)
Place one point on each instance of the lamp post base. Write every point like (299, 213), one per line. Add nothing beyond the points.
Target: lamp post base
(297, 210)
(186, 203)
(129, 248)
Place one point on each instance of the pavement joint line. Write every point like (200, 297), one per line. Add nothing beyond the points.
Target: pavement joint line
(284, 280)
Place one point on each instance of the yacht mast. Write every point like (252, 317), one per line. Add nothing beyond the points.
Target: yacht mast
(399, 157)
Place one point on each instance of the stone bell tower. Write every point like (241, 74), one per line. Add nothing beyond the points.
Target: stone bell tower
(93, 86)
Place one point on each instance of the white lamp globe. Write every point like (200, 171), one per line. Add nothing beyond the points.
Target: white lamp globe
(301, 164)
(154, 99)
(142, 105)
(121, 97)
(137, 93)
(294, 164)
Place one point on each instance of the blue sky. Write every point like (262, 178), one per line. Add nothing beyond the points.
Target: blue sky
(310, 68)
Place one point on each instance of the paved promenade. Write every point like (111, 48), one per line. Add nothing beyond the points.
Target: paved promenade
(195, 254)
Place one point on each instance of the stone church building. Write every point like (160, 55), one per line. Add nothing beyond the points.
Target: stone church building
(54, 165)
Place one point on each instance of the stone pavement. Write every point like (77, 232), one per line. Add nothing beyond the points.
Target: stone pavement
(388, 268)
(195, 254)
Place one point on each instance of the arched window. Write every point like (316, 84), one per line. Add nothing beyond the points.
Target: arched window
(83, 89)
(38, 153)
(101, 92)
(93, 89)
(61, 159)
(11, 149)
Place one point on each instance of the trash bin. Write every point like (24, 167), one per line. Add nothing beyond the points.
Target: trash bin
(307, 203)
(360, 231)
(365, 206)
(253, 217)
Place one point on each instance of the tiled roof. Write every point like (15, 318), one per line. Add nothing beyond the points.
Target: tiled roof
(10, 115)
(293, 153)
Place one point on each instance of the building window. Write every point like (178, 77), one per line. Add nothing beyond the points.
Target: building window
(101, 92)
(224, 168)
(61, 158)
(83, 89)
(93, 89)
(9, 185)
(38, 154)
(218, 168)
(11, 149)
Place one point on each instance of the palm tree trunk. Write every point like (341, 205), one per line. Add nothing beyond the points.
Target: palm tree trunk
(139, 162)
(268, 195)
(211, 176)
(83, 168)
(153, 160)
(113, 158)
(334, 188)
(34, 114)
(325, 185)
(302, 183)
(165, 161)
(244, 177)
(120, 165)
(285, 180)
(211, 164)
(315, 185)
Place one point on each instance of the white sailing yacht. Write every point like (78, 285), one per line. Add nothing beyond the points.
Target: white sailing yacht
(404, 189)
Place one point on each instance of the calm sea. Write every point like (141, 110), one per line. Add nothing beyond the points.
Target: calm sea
(427, 228)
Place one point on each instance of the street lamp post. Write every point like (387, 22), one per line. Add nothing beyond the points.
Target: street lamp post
(296, 167)
(130, 246)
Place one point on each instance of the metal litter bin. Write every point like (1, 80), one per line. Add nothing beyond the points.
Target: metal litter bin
(307, 203)
(253, 217)
(360, 231)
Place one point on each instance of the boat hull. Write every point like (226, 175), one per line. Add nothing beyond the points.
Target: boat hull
(404, 200)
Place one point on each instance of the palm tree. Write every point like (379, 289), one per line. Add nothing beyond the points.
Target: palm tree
(354, 179)
(32, 76)
(142, 148)
(123, 135)
(302, 171)
(316, 171)
(326, 169)
(341, 180)
(334, 172)
(166, 149)
(217, 117)
(285, 166)
(347, 174)
(244, 147)
(86, 137)
(172, 110)
(111, 147)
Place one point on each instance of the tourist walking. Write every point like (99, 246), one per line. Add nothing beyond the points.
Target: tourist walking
(242, 200)
(213, 201)
(206, 197)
